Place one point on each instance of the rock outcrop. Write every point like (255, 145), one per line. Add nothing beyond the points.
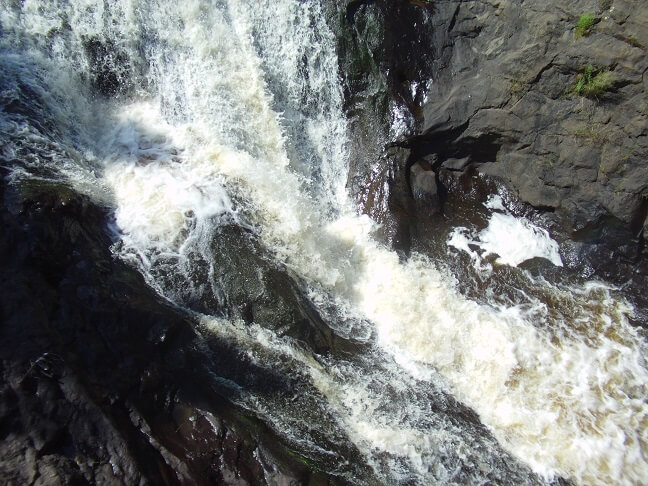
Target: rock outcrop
(506, 95)
(102, 381)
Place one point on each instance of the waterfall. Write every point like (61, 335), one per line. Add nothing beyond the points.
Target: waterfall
(215, 132)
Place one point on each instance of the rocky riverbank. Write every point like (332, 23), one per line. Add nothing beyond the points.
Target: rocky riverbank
(101, 381)
(549, 100)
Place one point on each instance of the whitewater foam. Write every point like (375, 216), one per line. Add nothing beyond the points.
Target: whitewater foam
(513, 240)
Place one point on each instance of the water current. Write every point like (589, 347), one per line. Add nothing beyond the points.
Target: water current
(188, 119)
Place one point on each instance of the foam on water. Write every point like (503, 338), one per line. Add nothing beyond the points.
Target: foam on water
(156, 190)
(516, 240)
(563, 387)
(552, 402)
(401, 438)
(512, 239)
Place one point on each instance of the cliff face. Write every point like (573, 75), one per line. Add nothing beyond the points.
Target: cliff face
(548, 99)
(557, 111)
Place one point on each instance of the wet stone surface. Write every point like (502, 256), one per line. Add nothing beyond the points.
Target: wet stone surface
(102, 382)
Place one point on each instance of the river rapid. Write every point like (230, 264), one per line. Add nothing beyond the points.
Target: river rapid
(215, 133)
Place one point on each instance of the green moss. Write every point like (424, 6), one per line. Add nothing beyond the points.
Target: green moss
(518, 86)
(593, 82)
(549, 161)
(520, 83)
(585, 24)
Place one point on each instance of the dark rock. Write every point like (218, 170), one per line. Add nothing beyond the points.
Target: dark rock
(102, 381)
(384, 50)
(506, 84)
(385, 195)
(110, 69)
(265, 293)
(423, 183)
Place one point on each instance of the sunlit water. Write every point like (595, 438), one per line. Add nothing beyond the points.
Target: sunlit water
(235, 116)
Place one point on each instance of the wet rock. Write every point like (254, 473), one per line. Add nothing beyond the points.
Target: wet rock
(101, 381)
(423, 182)
(385, 62)
(385, 195)
(500, 96)
(110, 68)
(261, 291)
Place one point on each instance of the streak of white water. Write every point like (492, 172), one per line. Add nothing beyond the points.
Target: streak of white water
(566, 395)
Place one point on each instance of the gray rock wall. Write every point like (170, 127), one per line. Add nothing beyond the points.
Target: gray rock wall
(505, 88)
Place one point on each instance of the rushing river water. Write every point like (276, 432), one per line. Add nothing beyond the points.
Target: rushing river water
(198, 120)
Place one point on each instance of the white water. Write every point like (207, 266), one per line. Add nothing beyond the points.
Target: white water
(513, 239)
(562, 386)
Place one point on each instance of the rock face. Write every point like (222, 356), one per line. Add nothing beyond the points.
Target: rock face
(505, 96)
(513, 91)
(385, 65)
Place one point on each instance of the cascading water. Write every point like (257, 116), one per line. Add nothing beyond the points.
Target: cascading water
(226, 118)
